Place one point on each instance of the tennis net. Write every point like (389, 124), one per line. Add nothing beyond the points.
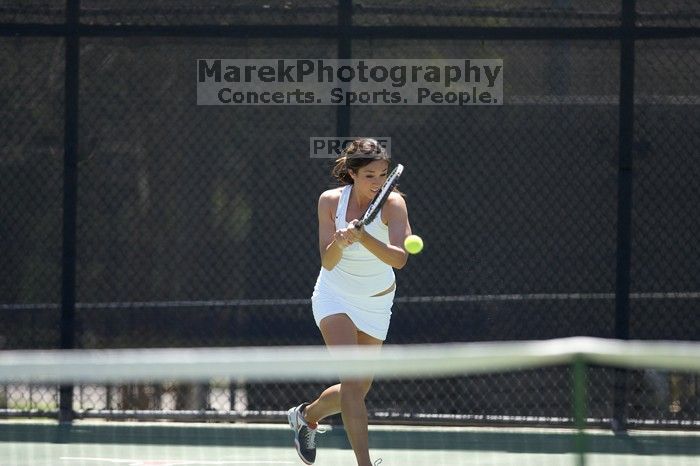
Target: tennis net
(444, 437)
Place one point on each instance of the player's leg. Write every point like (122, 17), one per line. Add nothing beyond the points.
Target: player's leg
(303, 419)
(346, 397)
(328, 403)
(339, 330)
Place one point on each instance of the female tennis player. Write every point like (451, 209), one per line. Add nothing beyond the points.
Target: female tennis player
(355, 289)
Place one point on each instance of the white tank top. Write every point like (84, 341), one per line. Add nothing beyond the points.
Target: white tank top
(359, 272)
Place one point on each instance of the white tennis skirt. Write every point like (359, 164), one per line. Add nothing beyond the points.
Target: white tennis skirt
(369, 314)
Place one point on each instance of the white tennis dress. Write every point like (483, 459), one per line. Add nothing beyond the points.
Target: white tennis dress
(349, 287)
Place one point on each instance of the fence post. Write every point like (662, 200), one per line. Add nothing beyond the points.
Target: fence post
(70, 191)
(579, 383)
(624, 204)
(344, 53)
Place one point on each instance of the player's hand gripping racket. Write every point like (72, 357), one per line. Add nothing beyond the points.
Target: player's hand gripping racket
(376, 205)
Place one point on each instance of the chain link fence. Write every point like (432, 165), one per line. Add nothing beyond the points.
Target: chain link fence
(196, 226)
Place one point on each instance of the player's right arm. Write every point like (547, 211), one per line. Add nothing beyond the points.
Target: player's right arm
(331, 242)
(331, 252)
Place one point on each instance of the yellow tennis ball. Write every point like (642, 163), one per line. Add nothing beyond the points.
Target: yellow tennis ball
(413, 244)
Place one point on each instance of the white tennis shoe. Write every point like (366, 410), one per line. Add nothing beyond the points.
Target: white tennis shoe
(304, 436)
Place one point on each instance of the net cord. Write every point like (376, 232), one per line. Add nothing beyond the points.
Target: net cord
(317, 363)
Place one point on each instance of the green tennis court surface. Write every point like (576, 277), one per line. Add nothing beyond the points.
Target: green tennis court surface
(25, 443)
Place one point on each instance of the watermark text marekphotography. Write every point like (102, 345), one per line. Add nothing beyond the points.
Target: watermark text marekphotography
(350, 82)
(321, 147)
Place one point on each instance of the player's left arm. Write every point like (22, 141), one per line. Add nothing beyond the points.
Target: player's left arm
(395, 214)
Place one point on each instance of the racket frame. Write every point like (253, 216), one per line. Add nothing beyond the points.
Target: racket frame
(380, 198)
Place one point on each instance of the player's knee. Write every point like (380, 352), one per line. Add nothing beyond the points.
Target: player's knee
(354, 388)
(367, 384)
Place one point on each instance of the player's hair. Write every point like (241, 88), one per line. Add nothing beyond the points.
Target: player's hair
(357, 154)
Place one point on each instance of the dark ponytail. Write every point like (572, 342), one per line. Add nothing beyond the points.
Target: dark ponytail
(340, 171)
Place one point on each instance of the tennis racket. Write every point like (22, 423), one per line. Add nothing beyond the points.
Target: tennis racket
(376, 205)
